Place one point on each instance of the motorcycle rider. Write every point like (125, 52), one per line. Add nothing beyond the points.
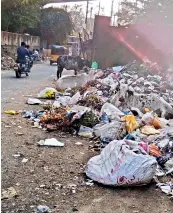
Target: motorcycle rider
(22, 52)
(30, 56)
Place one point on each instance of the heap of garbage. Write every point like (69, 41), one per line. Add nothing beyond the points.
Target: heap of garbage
(7, 61)
(129, 116)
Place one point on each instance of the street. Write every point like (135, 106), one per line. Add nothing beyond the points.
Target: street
(39, 75)
(49, 175)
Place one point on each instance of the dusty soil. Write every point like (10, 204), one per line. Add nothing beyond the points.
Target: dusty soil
(46, 178)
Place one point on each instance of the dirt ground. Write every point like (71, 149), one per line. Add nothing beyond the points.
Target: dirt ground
(49, 174)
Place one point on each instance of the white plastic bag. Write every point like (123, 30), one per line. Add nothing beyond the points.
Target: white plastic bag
(56, 105)
(50, 142)
(64, 100)
(113, 130)
(33, 101)
(119, 165)
(108, 80)
(75, 98)
(111, 111)
(147, 117)
(85, 132)
(48, 92)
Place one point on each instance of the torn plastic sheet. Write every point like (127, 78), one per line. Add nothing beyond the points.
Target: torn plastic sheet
(120, 164)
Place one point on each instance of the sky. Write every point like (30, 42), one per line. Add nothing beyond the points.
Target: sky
(105, 6)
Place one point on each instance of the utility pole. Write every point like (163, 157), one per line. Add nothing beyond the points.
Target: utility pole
(86, 18)
(112, 8)
(114, 20)
(99, 9)
(91, 12)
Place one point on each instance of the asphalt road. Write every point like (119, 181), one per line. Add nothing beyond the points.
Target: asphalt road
(11, 86)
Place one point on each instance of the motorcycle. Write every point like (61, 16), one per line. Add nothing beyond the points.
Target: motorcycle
(23, 67)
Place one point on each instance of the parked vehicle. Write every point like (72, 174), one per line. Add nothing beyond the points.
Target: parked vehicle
(23, 68)
(57, 51)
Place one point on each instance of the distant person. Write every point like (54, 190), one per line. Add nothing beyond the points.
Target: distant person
(28, 48)
(22, 52)
(30, 56)
(36, 55)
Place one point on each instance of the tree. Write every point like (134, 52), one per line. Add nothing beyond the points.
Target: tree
(55, 25)
(131, 12)
(18, 16)
(78, 18)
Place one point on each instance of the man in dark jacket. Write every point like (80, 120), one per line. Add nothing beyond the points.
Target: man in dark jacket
(21, 53)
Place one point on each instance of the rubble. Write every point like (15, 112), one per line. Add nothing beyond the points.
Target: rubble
(7, 61)
(127, 110)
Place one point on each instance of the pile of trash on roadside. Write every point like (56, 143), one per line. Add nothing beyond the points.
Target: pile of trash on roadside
(128, 116)
(7, 62)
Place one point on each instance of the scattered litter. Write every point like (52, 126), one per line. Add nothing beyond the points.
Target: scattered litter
(85, 132)
(42, 209)
(7, 126)
(149, 130)
(11, 112)
(25, 160)
(49, 93)
(131, 123)
(74, 209)
(127, 112)
(17, 155)
(89, 182)
(19, 133)
(9, 193)
(167, 188)
(50, 142)
(33, 101)
(78, 143)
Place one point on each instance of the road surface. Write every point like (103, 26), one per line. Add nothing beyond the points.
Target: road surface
(10, 85)
(50, 174)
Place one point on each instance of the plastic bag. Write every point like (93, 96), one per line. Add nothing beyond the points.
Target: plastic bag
(11, 112)
(85, 132)
(154, 151)
(94, 65)
(147, 117)
(156, 123)
(33, 101)
(119, 165)
(150, 118)
(117, 69)
(64, 100)
(50, 142)
(75, 98)
(48, 93)
(111, 131)
(111, 111)
(131, 123)
(149, 130)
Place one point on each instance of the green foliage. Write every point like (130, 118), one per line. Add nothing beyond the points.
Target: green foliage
(27, 16)
(55, 25)
(17, 17)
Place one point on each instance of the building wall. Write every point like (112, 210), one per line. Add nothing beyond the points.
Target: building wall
(14, 39)
(108, 51)
(120, 45)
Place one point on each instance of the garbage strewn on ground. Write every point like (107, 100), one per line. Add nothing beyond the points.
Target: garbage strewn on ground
(7, 61)
(11, 112)
(128, 114)
(50, 142)
(42, 209)
(9, 193)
